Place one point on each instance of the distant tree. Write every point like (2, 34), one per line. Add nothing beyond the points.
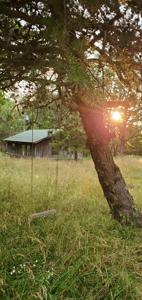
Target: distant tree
(55, 45)
(10, 120)
(127, 131)
(70, 135)
(134, 132)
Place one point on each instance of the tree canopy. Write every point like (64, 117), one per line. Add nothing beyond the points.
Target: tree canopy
(64, 44)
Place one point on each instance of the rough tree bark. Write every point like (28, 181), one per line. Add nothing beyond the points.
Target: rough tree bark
(120, 201)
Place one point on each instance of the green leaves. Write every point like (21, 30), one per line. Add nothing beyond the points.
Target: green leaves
(77, 73)
(10, 120)
(37, 37)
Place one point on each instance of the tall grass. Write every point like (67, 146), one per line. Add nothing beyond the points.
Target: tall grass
(80, 253)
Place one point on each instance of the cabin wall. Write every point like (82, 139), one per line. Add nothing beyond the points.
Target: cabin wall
(19, 149)
(43, 149)
(14, 149)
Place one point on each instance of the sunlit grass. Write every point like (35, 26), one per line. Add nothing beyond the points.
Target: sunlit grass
(80, 253)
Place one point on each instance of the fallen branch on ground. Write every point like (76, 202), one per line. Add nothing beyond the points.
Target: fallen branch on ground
(42, 214)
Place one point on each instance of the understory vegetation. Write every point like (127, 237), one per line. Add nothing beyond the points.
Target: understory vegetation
(80, 252)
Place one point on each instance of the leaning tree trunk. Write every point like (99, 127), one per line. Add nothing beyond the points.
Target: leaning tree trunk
(114, 187)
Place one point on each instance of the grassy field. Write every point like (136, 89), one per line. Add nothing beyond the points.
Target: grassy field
(79, 253)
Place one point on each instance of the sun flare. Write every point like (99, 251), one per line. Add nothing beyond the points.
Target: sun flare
(116, 116)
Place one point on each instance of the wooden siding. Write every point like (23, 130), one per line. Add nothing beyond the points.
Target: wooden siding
(41, 149)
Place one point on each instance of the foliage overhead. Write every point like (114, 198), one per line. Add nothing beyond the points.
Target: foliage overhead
(63, 45)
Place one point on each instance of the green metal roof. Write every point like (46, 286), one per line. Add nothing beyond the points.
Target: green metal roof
(31, 136)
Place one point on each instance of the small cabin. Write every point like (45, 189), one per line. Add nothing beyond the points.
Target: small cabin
(36, 142)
